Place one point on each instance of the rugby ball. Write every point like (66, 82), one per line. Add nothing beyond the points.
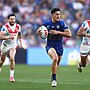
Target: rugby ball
(44, 32)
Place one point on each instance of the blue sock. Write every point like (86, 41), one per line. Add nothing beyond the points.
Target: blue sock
(53, 76)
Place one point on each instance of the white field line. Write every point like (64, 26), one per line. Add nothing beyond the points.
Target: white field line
(41, 81)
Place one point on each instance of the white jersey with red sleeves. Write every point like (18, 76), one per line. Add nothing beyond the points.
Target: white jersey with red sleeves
(86, 25)
(10, 30)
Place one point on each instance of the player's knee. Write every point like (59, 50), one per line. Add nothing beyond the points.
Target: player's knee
(55, 59)
(11, 60)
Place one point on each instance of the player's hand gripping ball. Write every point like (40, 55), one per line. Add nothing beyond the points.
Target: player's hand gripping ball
(44, 32)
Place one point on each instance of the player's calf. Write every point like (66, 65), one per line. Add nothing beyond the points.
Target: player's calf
(80, 67)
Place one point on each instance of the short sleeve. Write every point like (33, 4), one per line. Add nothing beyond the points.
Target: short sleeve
(45, 24)
(19, 28)
(63, 25)
(3, 29)
(84, 25)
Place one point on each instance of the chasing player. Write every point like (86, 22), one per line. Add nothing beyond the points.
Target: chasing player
(11, 31)
(84, 31)
(57, 29)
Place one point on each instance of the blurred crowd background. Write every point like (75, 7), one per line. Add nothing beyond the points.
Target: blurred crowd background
(32, 13)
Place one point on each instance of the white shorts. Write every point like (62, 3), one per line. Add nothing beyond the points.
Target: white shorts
(5, 48)
(84, 50)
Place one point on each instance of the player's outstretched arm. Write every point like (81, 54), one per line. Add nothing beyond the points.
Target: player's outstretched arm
(3, 37)
(81, 32)
(20, 39)
(66, 33)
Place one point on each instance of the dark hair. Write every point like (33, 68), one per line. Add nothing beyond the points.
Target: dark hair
(11, 15)
(54, 10)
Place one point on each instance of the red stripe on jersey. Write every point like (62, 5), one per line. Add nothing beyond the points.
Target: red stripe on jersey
(10, 30)
(88, 21)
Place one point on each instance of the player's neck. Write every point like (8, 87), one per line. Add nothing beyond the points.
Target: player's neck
(11, 24)
(53, 20)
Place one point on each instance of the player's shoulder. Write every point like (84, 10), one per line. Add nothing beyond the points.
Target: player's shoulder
(4, 26)
(18, 24)
(88, 21)
(85, 24)
(47, 21)
(61, 21)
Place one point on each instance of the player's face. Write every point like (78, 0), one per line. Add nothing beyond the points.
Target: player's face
(56, 16)
(12, 20)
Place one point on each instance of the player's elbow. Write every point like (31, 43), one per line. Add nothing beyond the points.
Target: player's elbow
(69, 35)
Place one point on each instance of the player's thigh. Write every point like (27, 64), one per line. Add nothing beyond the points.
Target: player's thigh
(84, 50)
(4, 49)
(59, 59)
(83, 60)
(52, 53)
(12, 53)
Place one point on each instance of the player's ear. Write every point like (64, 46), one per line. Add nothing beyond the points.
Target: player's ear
(52, 14)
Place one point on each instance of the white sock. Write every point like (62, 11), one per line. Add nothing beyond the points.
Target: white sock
(0, 69)
(12, 73)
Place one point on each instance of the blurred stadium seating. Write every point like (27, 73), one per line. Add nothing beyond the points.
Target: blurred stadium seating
(32, 13)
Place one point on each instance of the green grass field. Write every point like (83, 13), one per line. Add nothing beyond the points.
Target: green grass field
(38, 78)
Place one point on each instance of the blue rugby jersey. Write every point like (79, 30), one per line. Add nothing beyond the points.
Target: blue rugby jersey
(55, 40)
(59, 26)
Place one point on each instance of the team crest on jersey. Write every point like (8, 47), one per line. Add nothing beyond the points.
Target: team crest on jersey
(58, 26)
